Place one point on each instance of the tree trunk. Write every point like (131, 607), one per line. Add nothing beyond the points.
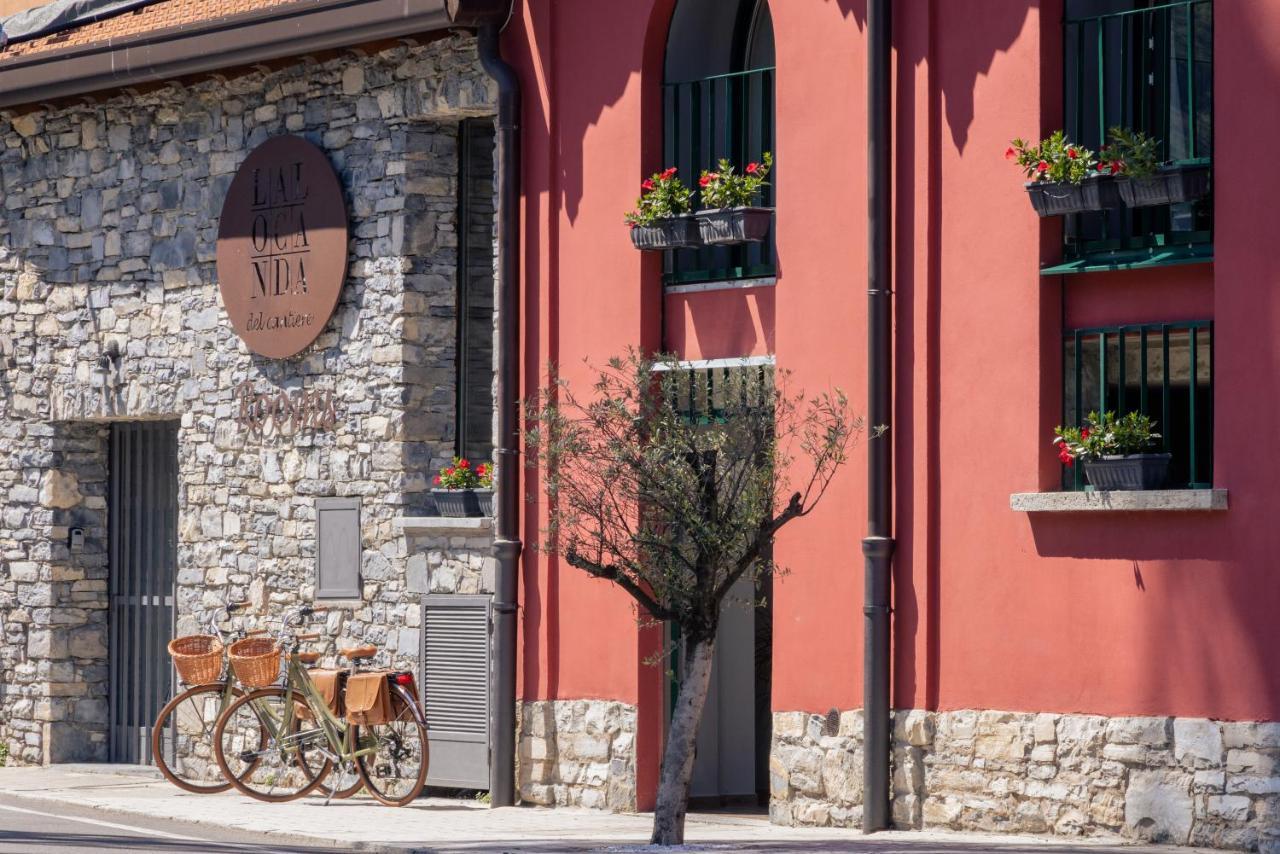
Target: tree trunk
(677, 760)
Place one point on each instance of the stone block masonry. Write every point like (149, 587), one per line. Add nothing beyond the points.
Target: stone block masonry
(108, 223)
(1184, 781)
(578, 753)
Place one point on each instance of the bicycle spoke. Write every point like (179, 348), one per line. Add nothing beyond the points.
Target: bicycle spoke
(182, 739)
(265, 763)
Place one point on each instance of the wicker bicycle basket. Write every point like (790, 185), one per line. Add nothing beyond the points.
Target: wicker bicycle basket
(256, 661)
(198, 658)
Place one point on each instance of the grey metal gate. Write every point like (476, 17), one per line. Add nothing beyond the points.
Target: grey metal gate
(455, 688)
(142, 521)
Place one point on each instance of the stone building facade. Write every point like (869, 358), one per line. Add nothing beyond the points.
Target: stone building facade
(109, 311)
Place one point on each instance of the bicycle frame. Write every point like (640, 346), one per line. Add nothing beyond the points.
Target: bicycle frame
(337, 732)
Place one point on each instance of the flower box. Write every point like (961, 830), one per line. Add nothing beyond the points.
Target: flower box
(1128, 472)
(730, 226)
(457, 503)
(675, 233)
(485, 498)
(1058, 198)
(1170, 185)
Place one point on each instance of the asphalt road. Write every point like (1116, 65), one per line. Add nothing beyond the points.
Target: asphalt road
(32, 827)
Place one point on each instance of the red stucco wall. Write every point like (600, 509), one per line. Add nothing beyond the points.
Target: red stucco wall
(1108, 614)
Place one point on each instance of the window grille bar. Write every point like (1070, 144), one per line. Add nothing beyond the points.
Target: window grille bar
(1102, 372)
(1142, 388)
(1191, 81)
(1166, 423)
(1121, 361)
(1102, 83)
(1192, 382)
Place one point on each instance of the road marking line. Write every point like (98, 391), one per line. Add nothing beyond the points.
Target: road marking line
(111, 824)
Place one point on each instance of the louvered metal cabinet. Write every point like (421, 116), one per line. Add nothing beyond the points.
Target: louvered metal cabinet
(455, 688)
(142, 517)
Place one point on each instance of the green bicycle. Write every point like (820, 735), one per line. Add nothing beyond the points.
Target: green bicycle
(281, 742)
(182, 736)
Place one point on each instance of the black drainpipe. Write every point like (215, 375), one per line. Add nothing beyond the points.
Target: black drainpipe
(502, 716)
(877, 546)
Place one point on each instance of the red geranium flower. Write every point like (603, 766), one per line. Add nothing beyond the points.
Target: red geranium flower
(1042, 166)
(1009, 153)
(1072, 153)
(437, 480)
(753, 168)
(480, 469)
(707, 179)
(647, 184)
(1084, 433)
(464, 464)
(1117, 166)
(668, 173)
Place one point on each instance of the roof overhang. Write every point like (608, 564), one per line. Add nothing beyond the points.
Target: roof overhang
(253, 37)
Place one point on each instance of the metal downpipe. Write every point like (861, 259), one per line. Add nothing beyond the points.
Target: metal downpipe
(502, 717)
(877, 546)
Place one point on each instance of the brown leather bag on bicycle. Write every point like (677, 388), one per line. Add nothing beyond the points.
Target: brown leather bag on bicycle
(368, 698)
(327, 683)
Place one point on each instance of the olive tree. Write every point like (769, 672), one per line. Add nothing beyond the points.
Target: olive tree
(671, 484)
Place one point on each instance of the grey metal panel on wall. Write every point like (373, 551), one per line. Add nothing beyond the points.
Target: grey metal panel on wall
(455, 670)
(338, 548)
(143, 555)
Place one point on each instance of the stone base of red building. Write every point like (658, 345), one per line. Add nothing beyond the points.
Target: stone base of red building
(578, 753)
(1186, 781)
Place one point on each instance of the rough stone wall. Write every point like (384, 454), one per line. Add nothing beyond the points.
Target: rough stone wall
(108, 221)
(1185, 781)
(53, 618)
(578, 753)
(448, 560)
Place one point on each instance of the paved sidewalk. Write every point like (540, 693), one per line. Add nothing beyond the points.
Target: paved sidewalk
(443, 825)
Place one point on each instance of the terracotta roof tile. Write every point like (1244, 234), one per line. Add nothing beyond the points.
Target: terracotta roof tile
(159, 16)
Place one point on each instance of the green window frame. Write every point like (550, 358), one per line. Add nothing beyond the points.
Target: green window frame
(1147, 65)
(1147, 368)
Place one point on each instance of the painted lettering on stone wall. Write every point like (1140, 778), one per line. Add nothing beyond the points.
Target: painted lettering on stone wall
(282, 247)
(284, 413)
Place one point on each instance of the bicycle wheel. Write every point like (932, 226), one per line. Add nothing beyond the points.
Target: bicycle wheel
(182, 739)
(264, 753)
(395, 770)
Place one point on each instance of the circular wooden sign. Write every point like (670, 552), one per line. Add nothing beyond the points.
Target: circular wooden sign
(282, 247)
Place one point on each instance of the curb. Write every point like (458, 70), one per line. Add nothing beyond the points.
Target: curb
(292, 838)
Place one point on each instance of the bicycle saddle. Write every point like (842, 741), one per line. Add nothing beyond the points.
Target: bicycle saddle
(359, 652)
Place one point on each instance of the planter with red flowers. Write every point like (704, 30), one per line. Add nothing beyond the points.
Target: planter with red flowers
(729, 213)
(1064, 178)
(1145, 182)
(1116, 453)
(663, 217)
(461, 490)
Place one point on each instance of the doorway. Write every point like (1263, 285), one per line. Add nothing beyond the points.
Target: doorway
(731, 761)
(142, 512)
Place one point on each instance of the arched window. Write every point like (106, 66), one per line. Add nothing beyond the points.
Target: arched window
(718, 103)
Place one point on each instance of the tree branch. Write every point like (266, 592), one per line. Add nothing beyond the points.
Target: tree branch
(611, 573)
(794, 510)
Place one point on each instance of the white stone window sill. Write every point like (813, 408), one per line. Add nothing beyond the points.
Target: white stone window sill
(1155, 500)
(436, 524)
(723, 285)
